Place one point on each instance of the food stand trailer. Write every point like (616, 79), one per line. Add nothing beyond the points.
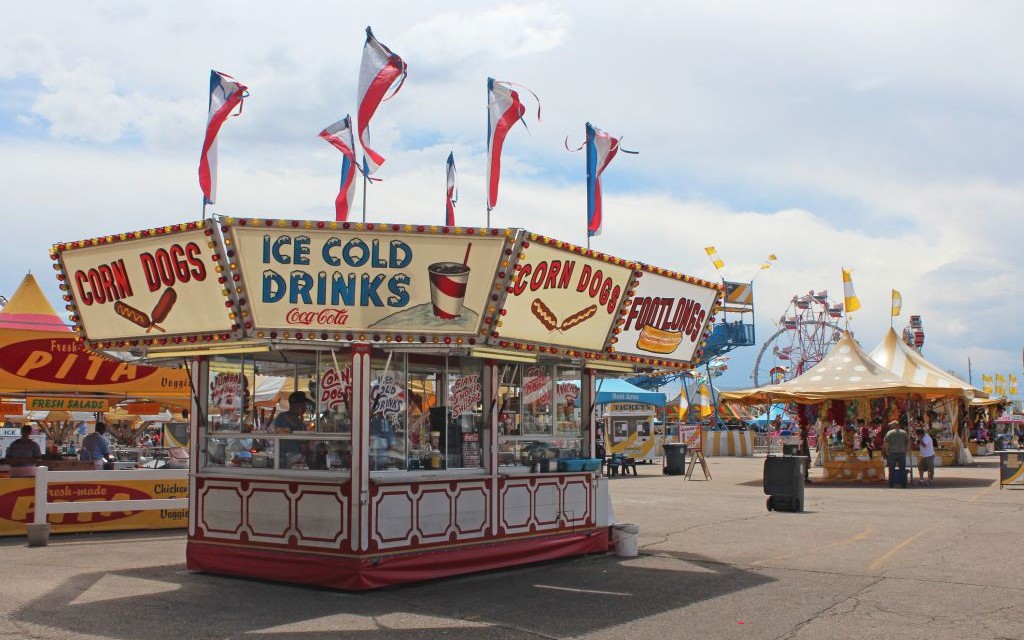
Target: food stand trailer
(439, 362)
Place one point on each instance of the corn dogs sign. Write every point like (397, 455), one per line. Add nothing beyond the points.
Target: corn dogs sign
(667, 316)
(561, 297)
(133, 288)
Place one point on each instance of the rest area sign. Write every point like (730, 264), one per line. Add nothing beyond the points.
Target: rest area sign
(66, 404)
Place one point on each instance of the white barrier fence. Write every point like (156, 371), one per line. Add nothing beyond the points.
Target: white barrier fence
(39, 530)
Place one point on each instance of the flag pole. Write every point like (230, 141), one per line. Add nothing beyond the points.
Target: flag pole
(365, 181)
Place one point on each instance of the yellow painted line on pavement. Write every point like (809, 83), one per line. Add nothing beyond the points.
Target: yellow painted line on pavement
(983, 492)
(863, 535)
(891, 552)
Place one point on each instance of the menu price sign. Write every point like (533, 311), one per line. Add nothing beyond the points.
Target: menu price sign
(666, 317)
(563, 298)
(148, 285)
(304, 282)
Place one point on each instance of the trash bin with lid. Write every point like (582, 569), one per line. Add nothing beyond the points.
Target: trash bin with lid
(784, 482)
(675, 458)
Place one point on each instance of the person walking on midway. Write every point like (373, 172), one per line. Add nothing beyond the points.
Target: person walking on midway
(895, 447)
(926, 451)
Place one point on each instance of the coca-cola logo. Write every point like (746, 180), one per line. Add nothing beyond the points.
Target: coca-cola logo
(323, 317)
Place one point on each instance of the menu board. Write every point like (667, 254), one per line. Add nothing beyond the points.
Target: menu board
(666, 317)
(563, 298)
(368, 279)
(149, 285)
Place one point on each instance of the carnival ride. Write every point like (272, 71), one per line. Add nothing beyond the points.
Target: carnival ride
(807, 330)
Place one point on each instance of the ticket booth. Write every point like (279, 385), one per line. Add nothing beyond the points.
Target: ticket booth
(438, 385)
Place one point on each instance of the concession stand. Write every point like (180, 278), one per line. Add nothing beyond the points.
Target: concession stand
(450, 374)
(843, 386)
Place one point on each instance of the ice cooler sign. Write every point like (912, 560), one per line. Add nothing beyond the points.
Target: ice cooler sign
(345, 281)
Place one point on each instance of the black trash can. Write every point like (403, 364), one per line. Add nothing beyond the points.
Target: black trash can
(675, 458)
(784, 482)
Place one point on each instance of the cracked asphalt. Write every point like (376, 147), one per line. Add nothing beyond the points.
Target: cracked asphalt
(861, 561)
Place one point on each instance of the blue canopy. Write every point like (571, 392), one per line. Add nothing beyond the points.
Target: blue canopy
(615, 390)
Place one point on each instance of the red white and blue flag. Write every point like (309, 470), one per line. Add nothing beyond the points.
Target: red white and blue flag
(339, 135)
(504, 109)
(380, 70)
(601, 148)
(451, 194)
(225, 94)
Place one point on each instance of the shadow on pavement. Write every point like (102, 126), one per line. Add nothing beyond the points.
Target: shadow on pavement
(556, 599)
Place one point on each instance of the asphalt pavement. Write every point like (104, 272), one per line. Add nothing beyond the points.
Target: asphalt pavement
(860, 561)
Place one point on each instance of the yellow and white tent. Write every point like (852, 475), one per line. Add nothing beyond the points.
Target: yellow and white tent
(846, 373)
(903, 360)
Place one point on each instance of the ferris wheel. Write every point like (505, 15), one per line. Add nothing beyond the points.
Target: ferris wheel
(807, 330)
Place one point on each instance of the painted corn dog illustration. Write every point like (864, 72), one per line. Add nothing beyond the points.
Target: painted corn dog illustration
(579, 317)
(162, 308)
(130, 313)
(544, 314)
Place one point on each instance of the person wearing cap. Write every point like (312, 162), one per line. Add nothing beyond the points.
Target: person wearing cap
(291, 420)
(926, 453)
(895, 447)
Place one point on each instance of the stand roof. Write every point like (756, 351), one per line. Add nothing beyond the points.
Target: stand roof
(903, 360)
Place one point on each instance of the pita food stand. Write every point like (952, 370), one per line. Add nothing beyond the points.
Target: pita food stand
(49, 376)
(442, 365)
(843, 384)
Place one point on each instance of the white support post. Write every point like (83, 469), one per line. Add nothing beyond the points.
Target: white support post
(39, 530)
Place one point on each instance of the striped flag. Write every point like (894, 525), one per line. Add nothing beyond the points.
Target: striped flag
(225, 94)
(715, 260)
(850, 298)
(1012, 390)
(379, 72)
(897, 303)
(986, 383)
(705, 400)
(451, 194)
(601, 149)
(769, 261)
(339, 135)
(504, 109)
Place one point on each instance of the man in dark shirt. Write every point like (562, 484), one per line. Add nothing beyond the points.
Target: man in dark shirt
(23, 454)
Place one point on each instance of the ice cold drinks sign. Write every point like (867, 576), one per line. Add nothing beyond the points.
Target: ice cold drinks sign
(318, 282)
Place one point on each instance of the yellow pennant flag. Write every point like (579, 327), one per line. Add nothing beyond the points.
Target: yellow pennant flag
(767, 264)
(715, 260)
(897, 303)
(986, 383)
(850, 298)
(705, 401)
(1000, 385)
(1013, 385)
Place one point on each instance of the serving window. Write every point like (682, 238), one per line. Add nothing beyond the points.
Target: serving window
(539, 413)
(252, 425)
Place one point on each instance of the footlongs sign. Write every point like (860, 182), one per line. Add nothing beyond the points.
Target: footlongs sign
(667, 316)
(365, 281)
(132, 286)
(563, 295)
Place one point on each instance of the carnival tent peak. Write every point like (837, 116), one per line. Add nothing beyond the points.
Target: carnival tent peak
(29, 310)
(897, 356)
(847, 372)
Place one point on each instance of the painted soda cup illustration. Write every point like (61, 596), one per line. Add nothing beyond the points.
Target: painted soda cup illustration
(448, 288)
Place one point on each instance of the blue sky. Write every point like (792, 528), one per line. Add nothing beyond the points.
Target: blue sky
(879, 136)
